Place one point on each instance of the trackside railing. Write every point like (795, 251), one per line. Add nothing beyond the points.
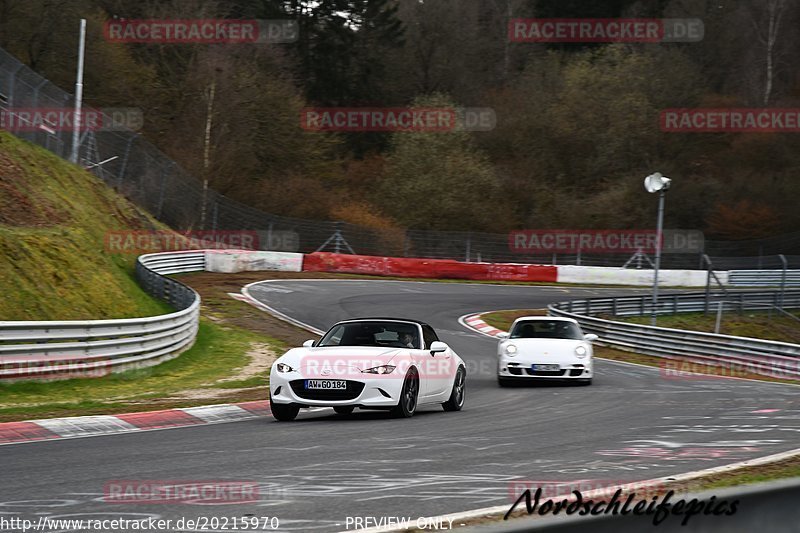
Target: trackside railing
(91, 348)
(769, 358)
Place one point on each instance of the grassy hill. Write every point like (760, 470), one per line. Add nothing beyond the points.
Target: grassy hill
(53, 219)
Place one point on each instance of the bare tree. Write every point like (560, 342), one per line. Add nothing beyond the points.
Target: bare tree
(767, 33)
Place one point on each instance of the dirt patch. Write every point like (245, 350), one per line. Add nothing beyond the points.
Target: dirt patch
(17, 207)
(220, 307)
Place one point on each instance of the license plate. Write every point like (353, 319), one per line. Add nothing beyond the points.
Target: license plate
(326, 384)
(546, 368)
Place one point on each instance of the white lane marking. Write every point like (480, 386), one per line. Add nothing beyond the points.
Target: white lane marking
(274, 312)
(218, 413)
(86, 425)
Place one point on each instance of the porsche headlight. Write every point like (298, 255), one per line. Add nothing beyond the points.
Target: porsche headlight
(581, 351)
(511, 350)
(383, 369)
(284, 368)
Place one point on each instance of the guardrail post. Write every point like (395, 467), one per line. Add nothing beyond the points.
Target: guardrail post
(614, 307)
(675, 304)
(708, 283)
(783, 278)
(641, 306)
(741, 303)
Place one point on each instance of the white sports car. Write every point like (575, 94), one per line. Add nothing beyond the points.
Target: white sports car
(545, 347)
(369, 363)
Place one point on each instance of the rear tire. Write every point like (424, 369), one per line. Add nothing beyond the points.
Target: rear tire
(283, 412)
(456, 400)
(407, 403)
(344, 410)
(585, 382)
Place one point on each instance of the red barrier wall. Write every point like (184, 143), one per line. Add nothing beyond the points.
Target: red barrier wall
(426, 268)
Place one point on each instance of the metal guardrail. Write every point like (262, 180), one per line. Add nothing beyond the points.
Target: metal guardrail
(770, 358)
(75, 348)
(756, 278)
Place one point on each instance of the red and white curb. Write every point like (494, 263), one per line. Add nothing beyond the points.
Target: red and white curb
(475, 323)
(90, 426)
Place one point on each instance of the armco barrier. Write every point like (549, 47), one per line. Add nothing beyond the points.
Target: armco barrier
(91, 348)
(769, 358)
(426, 268)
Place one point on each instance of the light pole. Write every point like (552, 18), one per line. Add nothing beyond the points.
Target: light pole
(660, 184)
(76, 125)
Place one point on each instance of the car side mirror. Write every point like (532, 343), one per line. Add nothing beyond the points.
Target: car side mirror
(589, 337)
(502, 335)
(438, 347)
(309, 343)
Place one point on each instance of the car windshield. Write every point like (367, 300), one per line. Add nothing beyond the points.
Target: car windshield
(372, 333)
(546, 329)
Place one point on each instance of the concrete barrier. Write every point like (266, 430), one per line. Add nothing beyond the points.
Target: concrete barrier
(231, 261)
(628, 276)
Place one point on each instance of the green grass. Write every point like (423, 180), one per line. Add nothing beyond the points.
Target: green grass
(217, 353)
(757, 325)
(52, 249)
(503, 319)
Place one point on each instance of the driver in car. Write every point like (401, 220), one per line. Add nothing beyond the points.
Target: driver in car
(407, 340)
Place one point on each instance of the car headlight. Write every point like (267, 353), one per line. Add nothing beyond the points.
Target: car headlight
(284, 368)
(383, 369)
(580, 351)
(511, 350)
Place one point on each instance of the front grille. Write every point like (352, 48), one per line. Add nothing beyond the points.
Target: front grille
(575, 372)
(354, 389)
(514, 371)
(544, 373)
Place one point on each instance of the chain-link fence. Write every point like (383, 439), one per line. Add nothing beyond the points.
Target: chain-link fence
(150, 179)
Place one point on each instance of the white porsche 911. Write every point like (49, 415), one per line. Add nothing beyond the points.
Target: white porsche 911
(544, 347)
(369, 363)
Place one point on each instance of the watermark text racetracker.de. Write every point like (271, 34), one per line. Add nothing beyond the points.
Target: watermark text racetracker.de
(603, 241)
(58, 119)
(731, 120)
(604, 30)
(680, 369)
(356, 367)
(397, 119)
(206, 31)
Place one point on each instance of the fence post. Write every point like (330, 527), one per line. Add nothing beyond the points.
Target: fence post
(161, 193)
(469, 246)
(125, 161)
(708, 283)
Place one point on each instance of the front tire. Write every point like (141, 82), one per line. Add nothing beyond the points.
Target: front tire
(456, 400)
(585, 382)
(344, 409)
(407, 404)
(283, 412)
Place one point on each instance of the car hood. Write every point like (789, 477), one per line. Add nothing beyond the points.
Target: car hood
(359, 357)
(547, 346)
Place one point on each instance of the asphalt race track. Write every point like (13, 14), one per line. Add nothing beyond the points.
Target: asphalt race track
(633, 423)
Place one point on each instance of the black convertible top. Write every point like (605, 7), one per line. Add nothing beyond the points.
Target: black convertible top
(362, 319)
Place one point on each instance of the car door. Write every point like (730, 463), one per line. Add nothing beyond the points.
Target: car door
(439, 371)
